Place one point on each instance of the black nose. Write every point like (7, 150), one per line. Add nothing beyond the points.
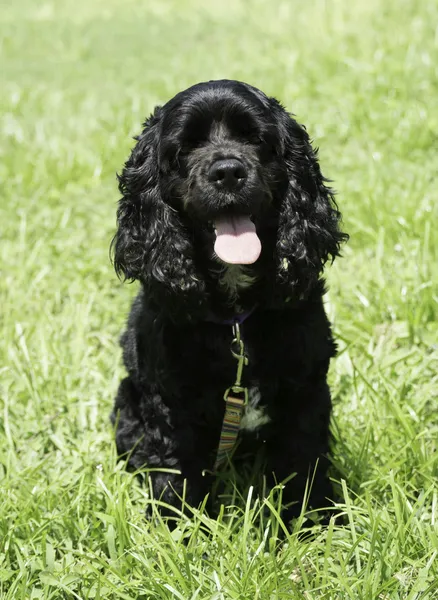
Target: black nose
(227, 173)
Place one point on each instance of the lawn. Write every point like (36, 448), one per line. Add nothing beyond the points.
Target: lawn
(78, 78)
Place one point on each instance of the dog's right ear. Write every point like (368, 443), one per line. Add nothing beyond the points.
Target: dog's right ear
(138, 184)
(151, 243)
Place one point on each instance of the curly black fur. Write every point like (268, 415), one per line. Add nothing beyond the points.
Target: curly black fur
(170, 407)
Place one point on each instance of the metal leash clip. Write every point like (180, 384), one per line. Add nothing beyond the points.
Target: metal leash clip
(238, 351)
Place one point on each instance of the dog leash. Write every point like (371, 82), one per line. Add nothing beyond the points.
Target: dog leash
(236, 398)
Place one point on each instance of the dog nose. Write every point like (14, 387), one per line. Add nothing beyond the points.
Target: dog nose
(227, 173)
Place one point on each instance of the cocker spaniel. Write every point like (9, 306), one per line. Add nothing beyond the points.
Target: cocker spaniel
(225, 218)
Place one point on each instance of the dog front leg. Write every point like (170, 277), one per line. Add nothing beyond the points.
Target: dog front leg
(148, 439)
(297, 455)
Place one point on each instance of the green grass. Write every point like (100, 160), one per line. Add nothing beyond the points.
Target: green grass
(78, 78)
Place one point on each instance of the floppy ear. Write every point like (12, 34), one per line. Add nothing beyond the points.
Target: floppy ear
(309, 232)
(151, 244)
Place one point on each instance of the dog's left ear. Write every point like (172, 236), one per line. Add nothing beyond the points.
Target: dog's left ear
(309, 232)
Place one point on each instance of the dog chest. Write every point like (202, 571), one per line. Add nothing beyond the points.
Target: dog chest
(255, 414)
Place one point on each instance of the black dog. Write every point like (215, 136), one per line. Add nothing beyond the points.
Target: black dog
(225, 215)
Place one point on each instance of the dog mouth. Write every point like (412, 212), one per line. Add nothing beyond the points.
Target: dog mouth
(237, 242)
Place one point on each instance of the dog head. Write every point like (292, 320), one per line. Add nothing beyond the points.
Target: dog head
(223, 173)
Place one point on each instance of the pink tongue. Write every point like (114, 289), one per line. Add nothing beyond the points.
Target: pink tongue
(236, 240)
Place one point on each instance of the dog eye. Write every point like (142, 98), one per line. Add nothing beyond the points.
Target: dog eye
(186, 148)
(255, 140)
